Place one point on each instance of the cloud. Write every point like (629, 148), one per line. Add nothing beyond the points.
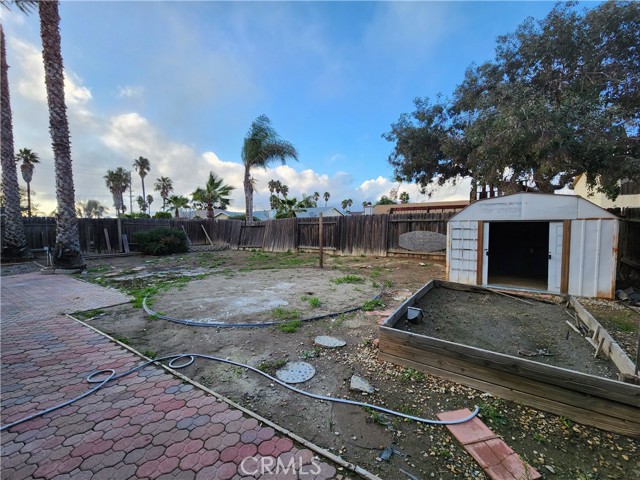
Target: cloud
(130, 91)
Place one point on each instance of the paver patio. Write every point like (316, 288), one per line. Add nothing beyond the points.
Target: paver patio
(150, 424)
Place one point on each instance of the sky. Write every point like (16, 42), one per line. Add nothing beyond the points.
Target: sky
(180, 83)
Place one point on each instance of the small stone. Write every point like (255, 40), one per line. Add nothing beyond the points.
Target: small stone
(550, 468)
(329, 342)
(361, 385)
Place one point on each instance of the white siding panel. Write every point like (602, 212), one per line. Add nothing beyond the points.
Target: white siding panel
(592, 263)
(462, 253)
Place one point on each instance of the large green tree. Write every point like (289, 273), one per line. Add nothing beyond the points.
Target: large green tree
(262, 146)
(28, 158)
(215, 194)
(14, 241)
(560, 99)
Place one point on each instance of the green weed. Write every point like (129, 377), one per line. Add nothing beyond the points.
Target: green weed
(306, 354)
(270, 367)
(492, 414)
(350, 278)
(411, 375)
(314, 302)
(121, 339)
(150, 354)
(371, 305)
(290, 327)
(280, 313)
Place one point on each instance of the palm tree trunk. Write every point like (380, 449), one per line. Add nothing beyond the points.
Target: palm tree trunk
(248, 195)
(29, 199)
(144, 195)
(14, 241)
(67, 249)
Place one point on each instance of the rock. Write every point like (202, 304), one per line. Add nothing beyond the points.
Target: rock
(329, 342)
(360, 384)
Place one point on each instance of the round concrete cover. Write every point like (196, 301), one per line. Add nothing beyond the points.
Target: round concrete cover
(329, 342)
(296, 372)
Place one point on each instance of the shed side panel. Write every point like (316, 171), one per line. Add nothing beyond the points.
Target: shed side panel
(462, 253)
(592, 263)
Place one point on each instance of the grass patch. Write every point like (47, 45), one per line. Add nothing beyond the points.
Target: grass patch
(314, 302)
(269, 367)
(377, 417)
(407, 409)
(350, 278)
(371, 305)
(290, 327)
(121, 339)
(280, 313)
(150, 354)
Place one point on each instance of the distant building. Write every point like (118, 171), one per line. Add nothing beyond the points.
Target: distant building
(427, 207)
(315, 212)
(629, 194)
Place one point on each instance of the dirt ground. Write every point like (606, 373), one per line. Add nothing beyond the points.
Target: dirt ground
(535, 331)
(201, 285)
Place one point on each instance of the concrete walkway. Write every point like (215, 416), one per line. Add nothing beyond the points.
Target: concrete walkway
(150, 424)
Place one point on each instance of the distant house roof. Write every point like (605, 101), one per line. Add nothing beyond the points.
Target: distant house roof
(448, 206)
(316, 211)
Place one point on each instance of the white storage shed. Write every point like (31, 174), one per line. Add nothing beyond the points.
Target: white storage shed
(544, 242)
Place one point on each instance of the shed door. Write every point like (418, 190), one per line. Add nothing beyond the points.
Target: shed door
(555, 256)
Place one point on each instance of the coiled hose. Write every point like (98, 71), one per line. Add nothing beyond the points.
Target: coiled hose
(189, 358)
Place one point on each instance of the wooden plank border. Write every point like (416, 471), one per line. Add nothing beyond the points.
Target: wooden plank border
(600, 402)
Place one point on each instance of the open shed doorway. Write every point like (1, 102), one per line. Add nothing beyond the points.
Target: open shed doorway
(518, 254)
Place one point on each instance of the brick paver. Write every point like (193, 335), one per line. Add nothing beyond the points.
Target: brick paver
(149, 424)
(494, 456)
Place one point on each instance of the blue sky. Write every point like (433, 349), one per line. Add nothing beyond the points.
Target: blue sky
(181, 82)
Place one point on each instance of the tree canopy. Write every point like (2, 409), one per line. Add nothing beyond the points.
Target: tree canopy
(560, 99)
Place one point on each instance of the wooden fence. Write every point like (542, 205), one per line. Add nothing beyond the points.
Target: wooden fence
(629, 249)
(358, 235)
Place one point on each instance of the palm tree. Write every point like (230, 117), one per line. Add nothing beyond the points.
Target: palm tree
(149, 202)
(404, 197)
(91, 209)
(142, 166)
(261, 146)
(178, 202)
(316, 197)
(28, 158)
(14, 240)
(142, 204)
(67, 249)
(117, 182)
(284, 189)
(346, 204)
(215, 194)
(326, 197)
(164, 185)
(272, 186)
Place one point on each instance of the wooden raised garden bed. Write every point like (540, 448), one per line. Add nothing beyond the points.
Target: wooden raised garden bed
(604, 403)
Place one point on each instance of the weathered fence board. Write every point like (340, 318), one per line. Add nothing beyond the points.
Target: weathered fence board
(351, 235)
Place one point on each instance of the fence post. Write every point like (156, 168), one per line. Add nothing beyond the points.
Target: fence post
(320, 233)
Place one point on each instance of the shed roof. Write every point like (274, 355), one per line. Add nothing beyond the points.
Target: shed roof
(532, 206)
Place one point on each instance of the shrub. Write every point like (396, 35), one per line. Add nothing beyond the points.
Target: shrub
(163, 215)
(161, 241)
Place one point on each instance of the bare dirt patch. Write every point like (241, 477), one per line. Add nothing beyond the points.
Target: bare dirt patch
(536, 331)
(548, 442)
